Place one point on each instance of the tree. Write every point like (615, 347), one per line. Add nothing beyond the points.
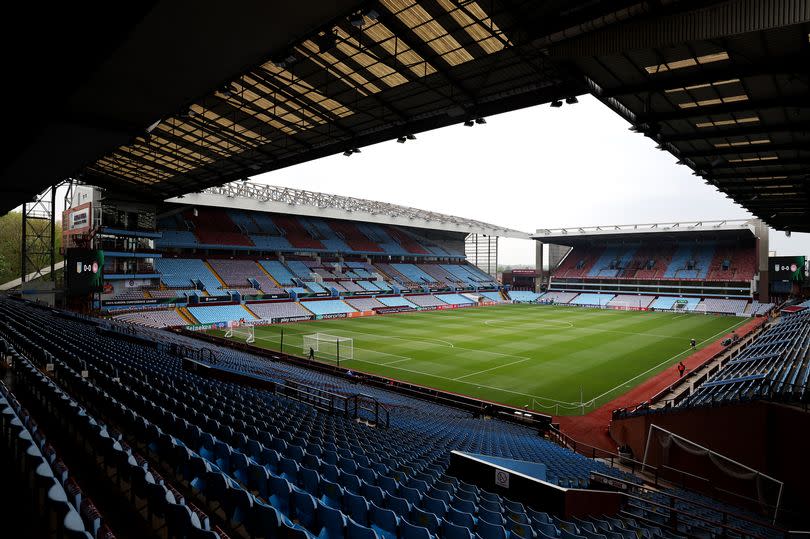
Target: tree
(10, 240)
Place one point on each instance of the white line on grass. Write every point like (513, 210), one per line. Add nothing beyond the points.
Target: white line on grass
(470, 383)
(545, 323)
(492, 368)
(668, 360)
(404, 358)
(423, 339)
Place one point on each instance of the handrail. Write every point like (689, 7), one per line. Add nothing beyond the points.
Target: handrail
(566, 441)
(692, 516)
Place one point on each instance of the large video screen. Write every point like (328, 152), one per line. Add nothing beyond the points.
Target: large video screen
(85, 269)
(787, 268)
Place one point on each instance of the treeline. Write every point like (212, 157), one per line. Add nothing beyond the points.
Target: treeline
(10, 238)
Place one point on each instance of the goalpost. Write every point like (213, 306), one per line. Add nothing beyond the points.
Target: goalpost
(242, 331)
(330, 346)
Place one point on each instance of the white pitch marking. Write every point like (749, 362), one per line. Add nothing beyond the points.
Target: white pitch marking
(473, 384)
(738, 324)
(492, 368)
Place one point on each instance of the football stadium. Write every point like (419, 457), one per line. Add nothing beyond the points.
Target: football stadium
(188, 350)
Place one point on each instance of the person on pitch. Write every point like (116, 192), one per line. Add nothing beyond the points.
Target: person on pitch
(311, 353)
(681, 369)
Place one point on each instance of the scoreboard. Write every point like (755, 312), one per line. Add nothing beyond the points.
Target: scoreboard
(84, 271)
(787, 268)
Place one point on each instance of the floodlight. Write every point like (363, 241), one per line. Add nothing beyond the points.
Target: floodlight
(556, 103)
(469, 123)
(571, 100)
(480, 121)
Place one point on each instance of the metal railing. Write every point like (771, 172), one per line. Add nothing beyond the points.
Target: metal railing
(688, 512)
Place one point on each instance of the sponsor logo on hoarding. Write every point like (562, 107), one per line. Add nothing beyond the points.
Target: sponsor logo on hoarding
(397, 309)
(330, 316)
(291, 319)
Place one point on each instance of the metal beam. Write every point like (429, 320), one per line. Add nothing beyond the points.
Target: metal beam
(762, 164)
(711, 73)
(752, 105)
(737, 131)
(749, 149)
(691, 22)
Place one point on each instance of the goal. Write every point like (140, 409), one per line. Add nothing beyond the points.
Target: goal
(246, 332)
(330, 346)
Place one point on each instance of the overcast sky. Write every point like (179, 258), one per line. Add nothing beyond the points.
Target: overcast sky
(577, 165)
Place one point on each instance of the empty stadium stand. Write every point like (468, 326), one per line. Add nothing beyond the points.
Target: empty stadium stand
(671, 303)
(455, 299)
(364, 304)
(597, 300)
(523, 296)
(243, 274)
(213, 226)
(631, 301)
(426, 301)
(220, 313)
(185, 272)
(264, 464)
(396, 301)
(776, 366)
(295, 233)
(278, 271)
(558, 297)
(493, 296)
(154, 318)
(279, 310)
(725, 306)
(329, 306)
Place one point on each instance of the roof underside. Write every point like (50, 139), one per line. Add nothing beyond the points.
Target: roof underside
(168, 99)
(737, 230)
(731, 100)
(285, 200)
(272, 84)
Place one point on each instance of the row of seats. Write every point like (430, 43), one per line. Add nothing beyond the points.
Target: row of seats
(776, 366)
(54, 493)
(156, 319)
(705, 261)
(217, 228)
(127, 471)
(258, 457)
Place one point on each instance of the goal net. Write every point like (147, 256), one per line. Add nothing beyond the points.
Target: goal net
(245, 332)
(329, 346)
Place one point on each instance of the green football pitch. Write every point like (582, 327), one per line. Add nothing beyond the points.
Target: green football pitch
(552, 359)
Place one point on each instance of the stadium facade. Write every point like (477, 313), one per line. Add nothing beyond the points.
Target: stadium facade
(710, 259)
(256, 252)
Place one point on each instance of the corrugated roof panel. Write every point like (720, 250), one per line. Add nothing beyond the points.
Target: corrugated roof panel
(419, 21)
